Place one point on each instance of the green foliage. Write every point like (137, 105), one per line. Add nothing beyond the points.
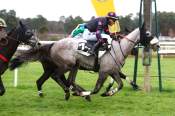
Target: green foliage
(128, 22)
(65, 25)
(38, 22)
(43, 29)
(71, 23)
(167, 20)
(10, 18)
(24, 101)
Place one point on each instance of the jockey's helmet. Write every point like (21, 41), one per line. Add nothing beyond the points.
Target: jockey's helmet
(112, 15)
(2, 23)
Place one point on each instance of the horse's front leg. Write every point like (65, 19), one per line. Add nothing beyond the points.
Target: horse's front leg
(109, 87)
(123, 76)
(134, 85)
(2, 89)
(116, 77)
(73, 86)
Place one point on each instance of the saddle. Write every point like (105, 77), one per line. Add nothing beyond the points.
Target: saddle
(84, 48)
(87, 46)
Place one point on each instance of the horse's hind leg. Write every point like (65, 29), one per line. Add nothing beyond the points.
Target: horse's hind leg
(61, 80)
(72, 85)
(41, 81)
(65, 85)
(2, 89)
(77, 91)
(101, 79)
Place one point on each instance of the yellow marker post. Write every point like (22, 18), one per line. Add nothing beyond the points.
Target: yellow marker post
(102, 7)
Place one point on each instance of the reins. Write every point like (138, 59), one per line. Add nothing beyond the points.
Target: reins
(2, 57)
(122, 37)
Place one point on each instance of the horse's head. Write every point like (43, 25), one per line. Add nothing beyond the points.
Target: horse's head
(147, 39)
(26, 36)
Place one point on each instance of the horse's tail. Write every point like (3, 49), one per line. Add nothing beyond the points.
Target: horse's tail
(32, 55)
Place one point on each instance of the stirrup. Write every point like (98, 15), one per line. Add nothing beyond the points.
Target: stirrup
(91, 52)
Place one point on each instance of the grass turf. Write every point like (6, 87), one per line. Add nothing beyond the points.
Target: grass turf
(24, 101)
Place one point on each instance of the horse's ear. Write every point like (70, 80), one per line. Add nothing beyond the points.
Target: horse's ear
(21, 24)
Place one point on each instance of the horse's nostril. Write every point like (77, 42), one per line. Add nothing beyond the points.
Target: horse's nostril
(39, 43)
(158, 46)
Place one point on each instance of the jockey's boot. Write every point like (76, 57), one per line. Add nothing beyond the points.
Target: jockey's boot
(95, 48)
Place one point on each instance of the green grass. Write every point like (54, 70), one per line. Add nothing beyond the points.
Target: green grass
(24, 101)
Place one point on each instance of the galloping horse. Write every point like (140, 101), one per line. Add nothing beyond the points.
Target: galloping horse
(9, 44)
(51, 70)
(65, 56)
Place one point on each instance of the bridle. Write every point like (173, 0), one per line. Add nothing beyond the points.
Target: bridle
(7, 38)
(122, 37)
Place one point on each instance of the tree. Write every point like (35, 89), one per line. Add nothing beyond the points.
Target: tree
(10, 18)
(128, 22)
(166, 20)
(71, 23)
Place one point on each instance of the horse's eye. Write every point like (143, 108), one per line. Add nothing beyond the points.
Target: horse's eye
(148, 34)
(28, 33)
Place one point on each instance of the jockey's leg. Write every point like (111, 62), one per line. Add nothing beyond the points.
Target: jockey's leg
(87, 35)
(95, 48)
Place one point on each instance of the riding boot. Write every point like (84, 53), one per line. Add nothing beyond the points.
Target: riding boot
(95, 48)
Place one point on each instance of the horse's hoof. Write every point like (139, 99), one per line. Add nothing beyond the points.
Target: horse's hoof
(135, 87)
(2, 93)
(67, 96)
(109, 87)
(108, 93)
(85, 93)
(41, 95)
(88, 98)
(75, 94)
(104, 94)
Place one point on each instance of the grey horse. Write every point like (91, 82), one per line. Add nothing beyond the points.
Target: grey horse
(66, 56)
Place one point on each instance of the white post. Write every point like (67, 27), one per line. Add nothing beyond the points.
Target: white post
(15, 77)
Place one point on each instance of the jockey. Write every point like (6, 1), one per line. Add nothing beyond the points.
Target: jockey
(108, 25)
(3, 25)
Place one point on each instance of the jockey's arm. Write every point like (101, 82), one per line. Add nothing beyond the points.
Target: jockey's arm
(99, 30)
